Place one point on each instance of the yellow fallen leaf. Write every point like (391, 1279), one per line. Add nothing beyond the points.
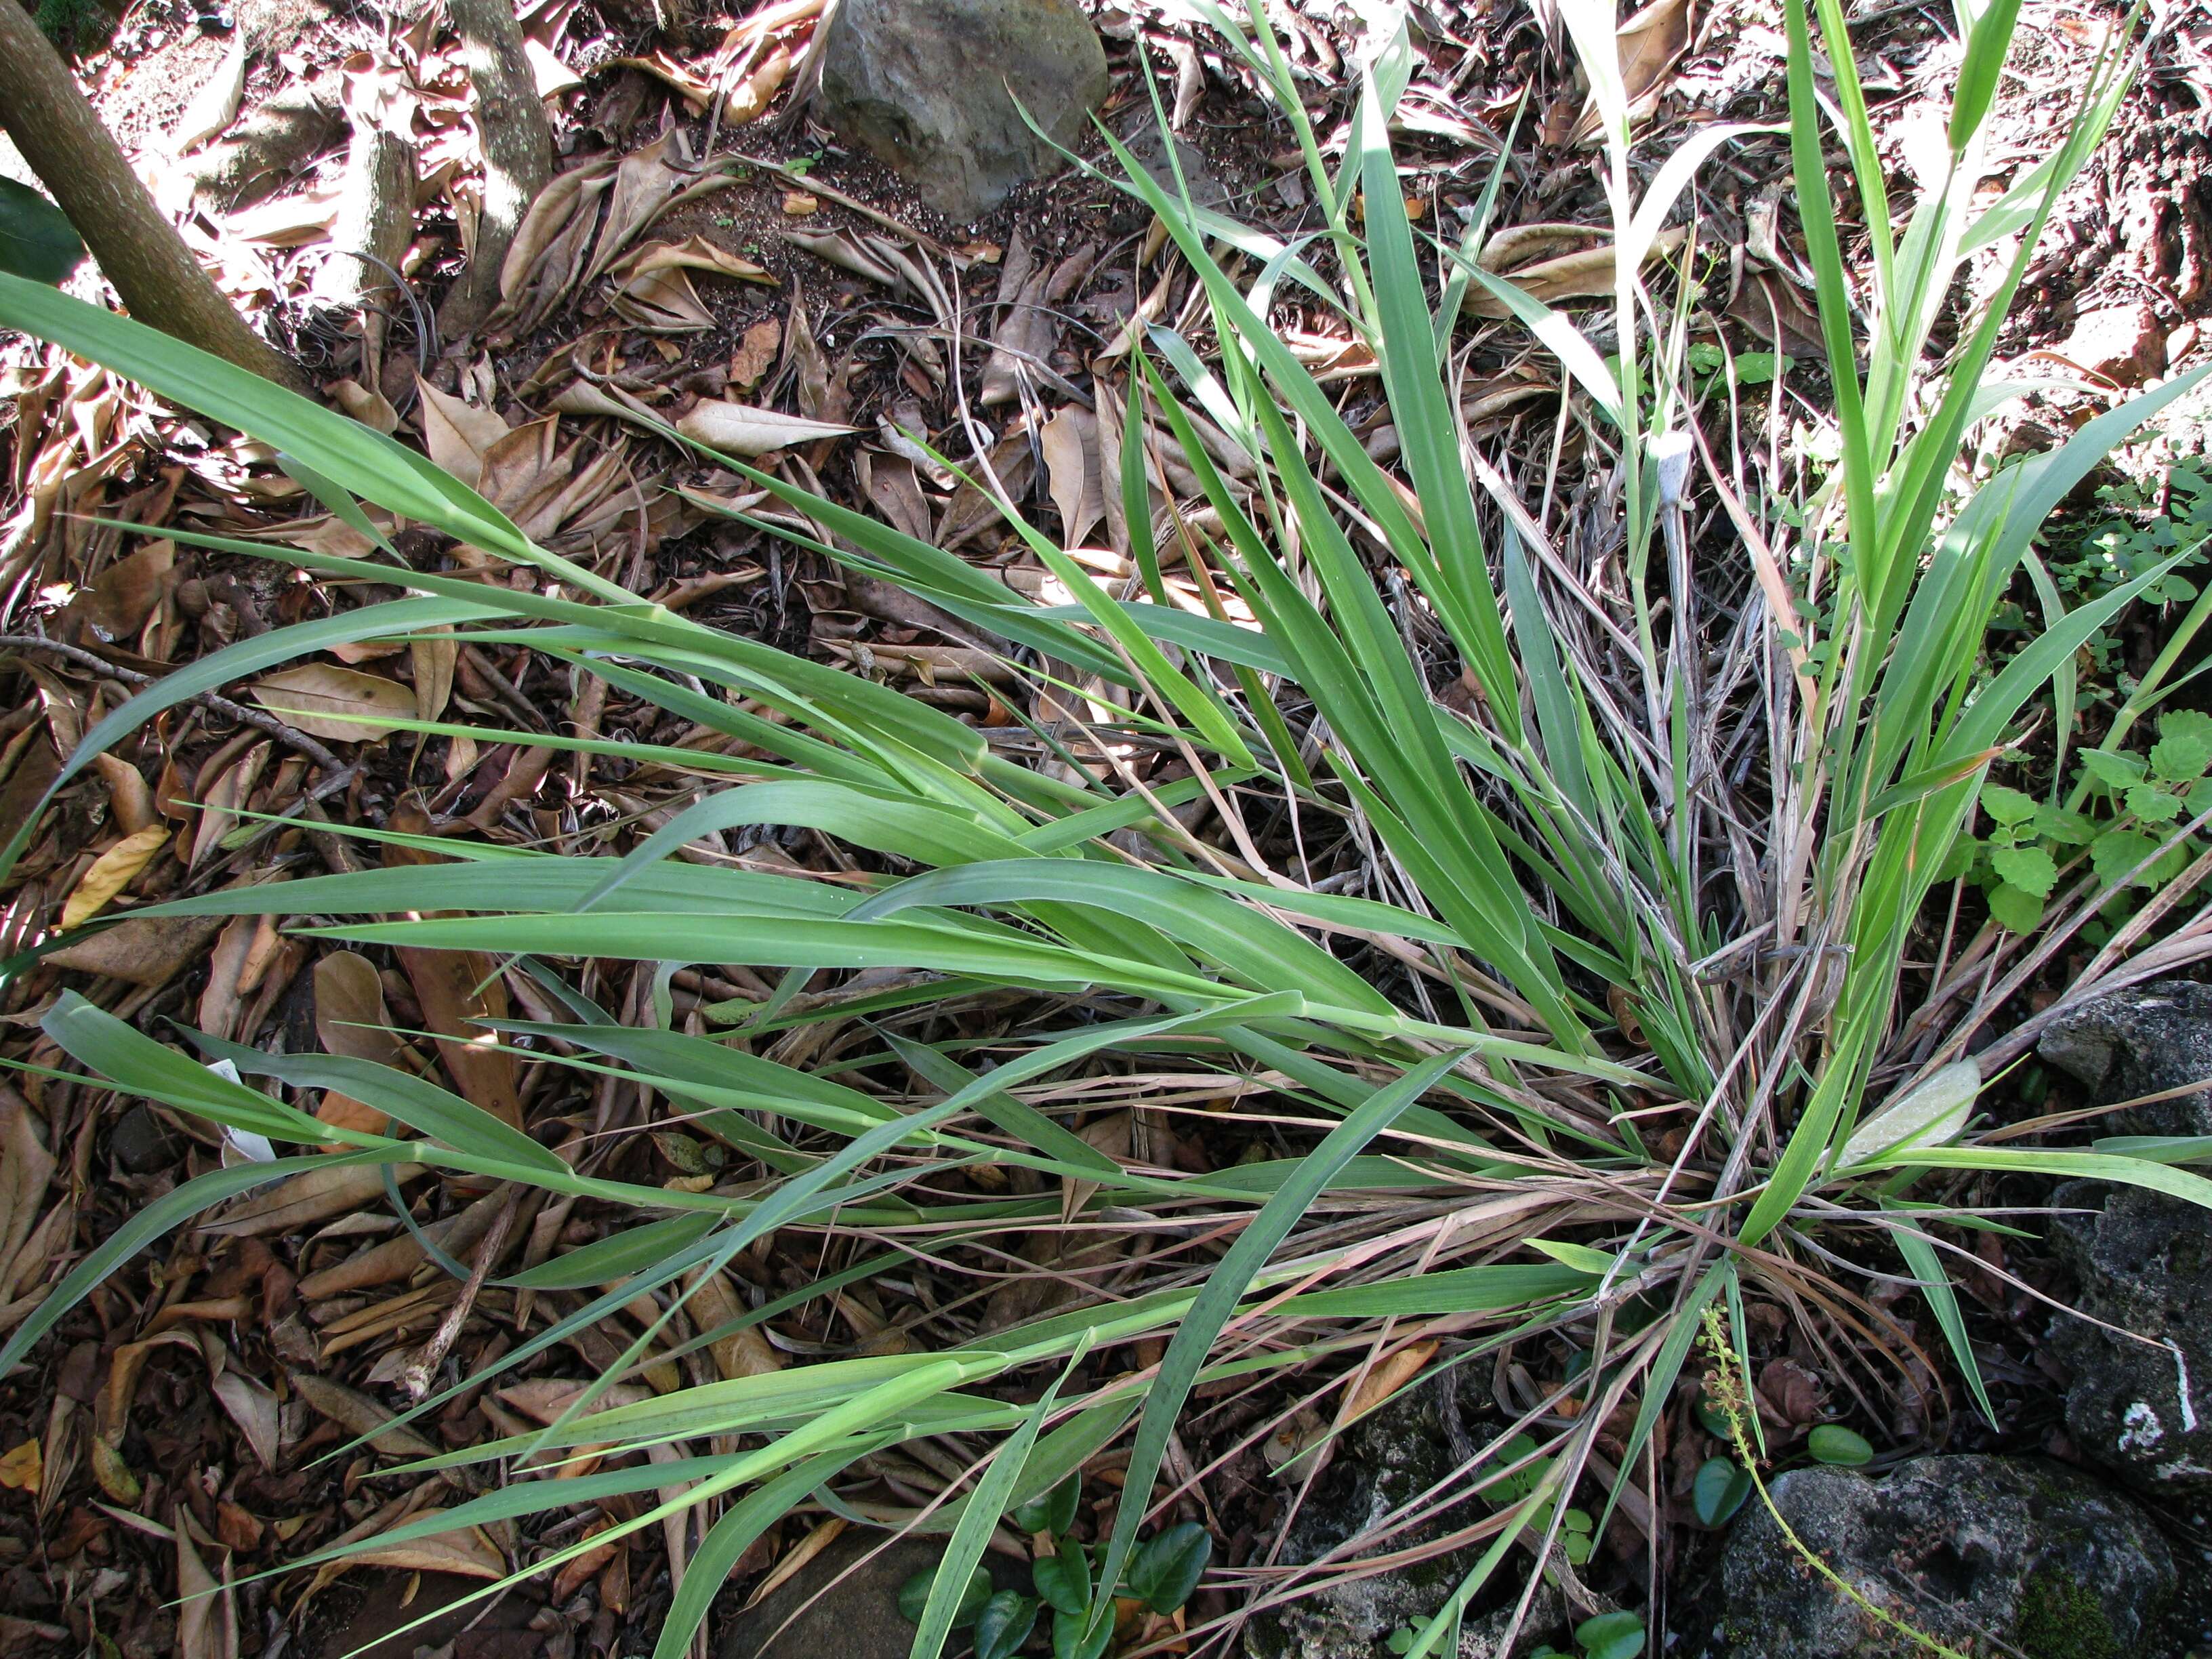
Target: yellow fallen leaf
(341, 705)
(22, 1467)
(1388, 1376)
(111, 873)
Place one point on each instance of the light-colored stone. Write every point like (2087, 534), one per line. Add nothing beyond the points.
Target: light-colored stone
(2124, 343)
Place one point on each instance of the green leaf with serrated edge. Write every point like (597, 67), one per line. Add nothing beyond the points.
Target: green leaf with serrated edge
(2014, 910)
(2007, 806)
(2030, 869)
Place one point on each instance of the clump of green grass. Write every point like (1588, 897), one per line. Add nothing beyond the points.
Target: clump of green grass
(1628, 970)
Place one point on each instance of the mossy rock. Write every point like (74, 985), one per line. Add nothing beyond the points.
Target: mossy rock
(2039, 1556)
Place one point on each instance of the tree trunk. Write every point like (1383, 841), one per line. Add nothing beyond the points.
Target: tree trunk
(77, 159)
(517, 141)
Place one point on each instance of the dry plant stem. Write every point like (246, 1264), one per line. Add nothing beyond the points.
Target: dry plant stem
(517, 144)
(138, 249)
(1726, 1387)
(223, 706)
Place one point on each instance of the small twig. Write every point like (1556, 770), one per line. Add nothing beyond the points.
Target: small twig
(223, 706)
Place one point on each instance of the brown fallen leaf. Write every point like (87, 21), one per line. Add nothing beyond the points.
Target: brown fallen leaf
(315, 697)
(299, 1200)
(111, 873)
(148, 951)
(1588, 274)
(739, 430)
(1069, 441)
(466, 1550)
(214, 105)
(756, 354)
(457, 433)
(252, 1407)
(360, 1415)
(222, 798)
(26, 1167)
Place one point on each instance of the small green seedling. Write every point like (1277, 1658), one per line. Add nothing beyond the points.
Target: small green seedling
(1833, 1443)
(1162, 1575)
(1608, 1636)
(1719, 1490)
(914, 1596)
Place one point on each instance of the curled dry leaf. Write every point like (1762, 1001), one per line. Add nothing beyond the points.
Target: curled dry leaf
(692, 254)
(1388, 1376)
(1588, 274)
(738, 429)
(301, 1200)
(111, 873)
(749, 100)
(214, 105)
(230, 792)
(466, 1550)
(340, 705)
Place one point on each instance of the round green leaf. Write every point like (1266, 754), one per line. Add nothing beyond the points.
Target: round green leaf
(1166, 1571)
(36, 238)
(1004, 1625)
(1053, 1512)
(914, 1596)
(1833, 1443)
(1064, 1580)
(1611, 1636)
(1068, 1640)
(1719, 1490)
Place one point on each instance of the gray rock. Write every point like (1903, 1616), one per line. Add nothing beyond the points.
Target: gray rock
(2143, 1262)
(1380, 1463)
(2140, 1261)
(853, 1612)
(2141, 1041)
(927, 87)
(2029, 1552)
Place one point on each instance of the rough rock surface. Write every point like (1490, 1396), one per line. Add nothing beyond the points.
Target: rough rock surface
(2141, 1040)
(928, 88)
(2140, 1261)
(2143, 1262)
(2032, 1554)
(1382, 1461)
